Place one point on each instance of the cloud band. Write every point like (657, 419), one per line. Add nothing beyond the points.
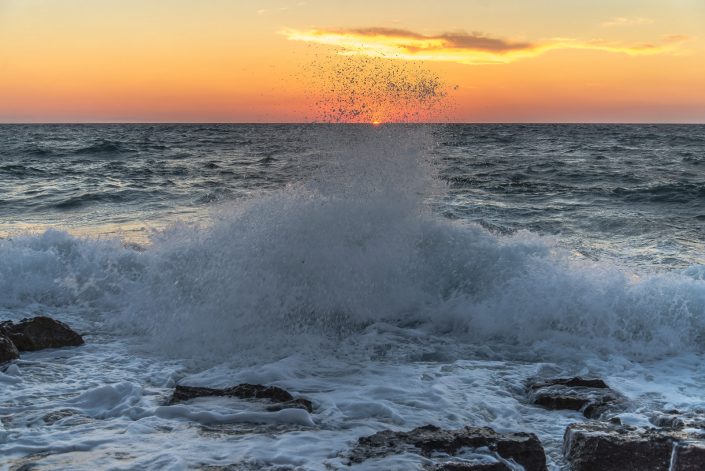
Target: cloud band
(460, 47)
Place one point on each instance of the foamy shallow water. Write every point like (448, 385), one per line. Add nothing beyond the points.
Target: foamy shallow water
(102, 405)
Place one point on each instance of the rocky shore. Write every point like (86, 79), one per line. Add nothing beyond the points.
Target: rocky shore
(674, 441)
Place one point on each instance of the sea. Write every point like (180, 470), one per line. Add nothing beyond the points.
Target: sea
(396, 275)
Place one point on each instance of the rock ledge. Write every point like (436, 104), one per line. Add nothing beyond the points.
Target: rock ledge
(591, 396)
(523, 448)
(282, 399)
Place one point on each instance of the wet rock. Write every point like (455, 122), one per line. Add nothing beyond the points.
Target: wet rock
(606, 447)
(52, 417)
(281, 397)
(8, 351)
(578, 381)
(40, 332)
(298, 403)
(591, 396)
(676, 420)
(524, 448)
(688, 457)
(461, 466)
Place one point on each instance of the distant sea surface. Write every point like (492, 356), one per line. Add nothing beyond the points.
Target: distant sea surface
(629, 192)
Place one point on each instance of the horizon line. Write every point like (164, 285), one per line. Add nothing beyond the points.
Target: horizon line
(264, 123)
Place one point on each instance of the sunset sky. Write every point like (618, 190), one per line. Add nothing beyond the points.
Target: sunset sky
(251, 61)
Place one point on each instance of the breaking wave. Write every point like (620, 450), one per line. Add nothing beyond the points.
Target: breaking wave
(357, 245)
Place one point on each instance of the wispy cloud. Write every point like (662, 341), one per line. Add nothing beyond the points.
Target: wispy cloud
(460, 47)
(622, 21)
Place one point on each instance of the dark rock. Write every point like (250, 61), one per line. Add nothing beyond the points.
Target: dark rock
(298, 403)
(281, 397)
(40, 332)
(8, 351)
(591, 396)
(576, 381)
(591, 447)
(524, 448)
(605, 447)
(688, 457)
(461, 466)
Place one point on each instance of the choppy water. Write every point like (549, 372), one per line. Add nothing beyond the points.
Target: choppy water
(396, 275)
(610, 190)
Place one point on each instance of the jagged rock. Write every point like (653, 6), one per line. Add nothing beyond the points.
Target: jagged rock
(524, 448)
(606, 447)
(40, 332)
(591, 396)
(281, 397)
(594, 446)
(688, 457)
(8, 351)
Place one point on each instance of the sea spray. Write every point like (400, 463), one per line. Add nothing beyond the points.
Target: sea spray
(308, 268)
(288, 272)
(55, 269)
(316, 258)
(358, 89)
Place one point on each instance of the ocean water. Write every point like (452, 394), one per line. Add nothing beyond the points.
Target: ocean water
(396, 275)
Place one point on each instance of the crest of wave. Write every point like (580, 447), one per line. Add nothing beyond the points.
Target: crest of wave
(303, 268)
(318, 258)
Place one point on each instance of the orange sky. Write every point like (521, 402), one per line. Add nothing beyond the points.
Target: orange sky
(251, 61)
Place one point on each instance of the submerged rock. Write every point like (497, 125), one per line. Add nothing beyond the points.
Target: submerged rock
(524, 448)
(57, 415)
(281, 397)
(677, 420)
(297, 403)
(609, 447)
(40, 332)
(8, 351)
(591, 396)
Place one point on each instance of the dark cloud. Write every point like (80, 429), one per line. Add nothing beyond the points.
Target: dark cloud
(457, 40)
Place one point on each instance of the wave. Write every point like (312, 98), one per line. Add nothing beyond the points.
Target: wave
(20, 171)
(357, 246)
(37, 150)
(57, 269)
(664, 193)
(107, 196)
(102, 146)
